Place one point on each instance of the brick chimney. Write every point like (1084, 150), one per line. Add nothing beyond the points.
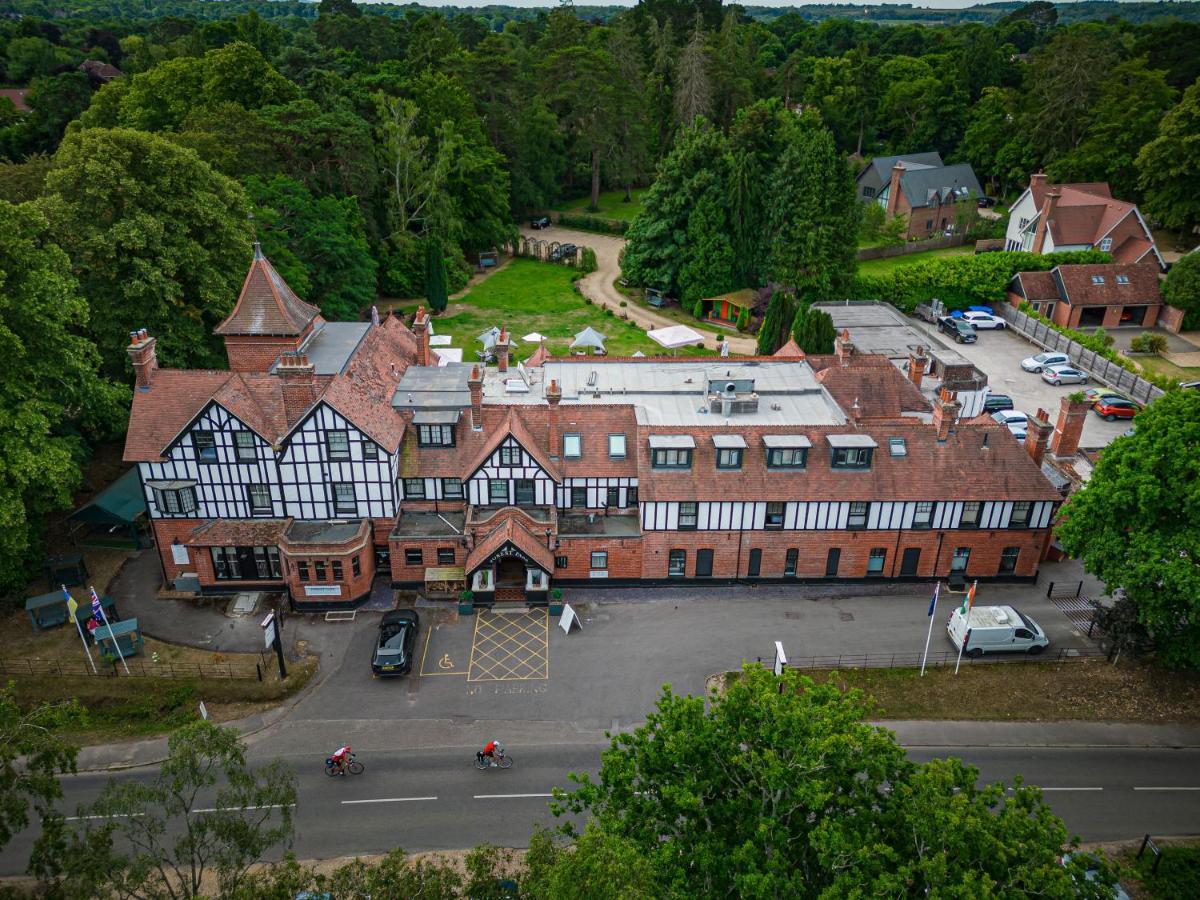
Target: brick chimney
(144, 358)
(844, 347)
(420, 328)
(299, 386)
(917, 362)
(503, 345)
(553, 397)
(1037, 435)
(945, 414)
(1037, 181)
(1039, 236)
(894, 191)
(475, 386)
(1067, 431)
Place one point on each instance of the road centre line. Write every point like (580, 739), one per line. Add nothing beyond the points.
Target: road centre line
(113, 816)
(387, 800)
(508, 796)
(1167, 788)
(244, 808)
(1072, 789)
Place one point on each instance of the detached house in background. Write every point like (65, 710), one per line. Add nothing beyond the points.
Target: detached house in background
(1054, 217)
(919, 186)
(332, 456)
(1084, 297)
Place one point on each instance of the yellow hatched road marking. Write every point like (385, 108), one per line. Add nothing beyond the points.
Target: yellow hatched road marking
(510, 648)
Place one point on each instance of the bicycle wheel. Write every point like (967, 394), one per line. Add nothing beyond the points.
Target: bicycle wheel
(505, 762)
(354, 767)
(330, 770)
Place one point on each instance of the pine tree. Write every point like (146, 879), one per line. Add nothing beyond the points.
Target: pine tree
(779, 313)
(743, 319)
(698, 309)
(800, 324)
(435, 277)
(819, 333)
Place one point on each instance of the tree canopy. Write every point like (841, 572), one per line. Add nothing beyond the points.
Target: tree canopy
(1134, 523)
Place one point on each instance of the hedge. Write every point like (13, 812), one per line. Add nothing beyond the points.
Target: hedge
(593, 223)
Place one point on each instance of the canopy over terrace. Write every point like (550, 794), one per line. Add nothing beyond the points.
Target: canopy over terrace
(113, 514)
(589, 337)
(489, 338)
(675, 336)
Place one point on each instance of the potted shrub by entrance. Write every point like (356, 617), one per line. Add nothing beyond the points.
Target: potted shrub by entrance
(556, 602)
(466, 603)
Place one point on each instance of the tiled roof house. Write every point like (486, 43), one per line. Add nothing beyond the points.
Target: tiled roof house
(332, 454)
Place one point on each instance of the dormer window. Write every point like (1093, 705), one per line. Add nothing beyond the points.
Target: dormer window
(786, 451)
(851, 451)
(730, 450)
(671, 451)
(435, 428)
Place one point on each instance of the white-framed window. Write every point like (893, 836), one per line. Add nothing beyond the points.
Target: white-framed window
(1122, 279)
(345, 502)
(436, 436)
(510, 455)
(337, 444)
(1020, 514)
(1106, 244)
(179, 501)
(572, 446)
(498, 492)
(616, 446)
(414, 488)
(599, 559)
(452, 488)
(245, 445)
(923, 516)
(970, 514)
(687, 516)
(857, 517)
(729, 458)
(1097, 279)
(259, 497)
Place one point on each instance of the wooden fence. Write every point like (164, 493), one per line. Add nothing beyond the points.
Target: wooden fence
(1090, 361)
(941, 243)
(137, 669)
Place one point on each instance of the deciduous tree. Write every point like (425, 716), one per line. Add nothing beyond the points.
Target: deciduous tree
(1182, 289)
(1134, 523)
(1169, 166)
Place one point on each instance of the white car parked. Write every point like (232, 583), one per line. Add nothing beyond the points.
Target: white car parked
(984, 320)
(1016, 422)
(1039, 362)
(1061, 374)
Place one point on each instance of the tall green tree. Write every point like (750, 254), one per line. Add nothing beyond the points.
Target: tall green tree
(1061, 85)
(435, 276)
(58, 400)
(325, 236)
(1182, 289)
(1134, 523)
(707, 267)
(32, 756)
(775, 324)
(777, 787)
(693, 83)
(132, 843)
(1125, 117)
(813, 218)
(1169, 166)
(157, 239)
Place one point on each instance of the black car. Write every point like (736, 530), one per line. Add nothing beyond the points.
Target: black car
(997, 403)
(394, 646)
(962, 331)
(540, 222)
(563, 251)
(987, 202)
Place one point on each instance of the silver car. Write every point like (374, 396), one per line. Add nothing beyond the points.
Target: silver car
(1063, 374)
(1037, 363)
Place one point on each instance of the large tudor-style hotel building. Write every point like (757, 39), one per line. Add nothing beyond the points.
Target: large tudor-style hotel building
(331, 453)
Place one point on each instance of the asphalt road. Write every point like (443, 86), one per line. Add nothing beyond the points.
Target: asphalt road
(435, 799)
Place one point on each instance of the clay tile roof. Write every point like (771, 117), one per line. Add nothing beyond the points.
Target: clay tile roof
(1093, 189)
(512, 425)
(17, 96)
(239, 532)
(540, 355)
(1081, 290)
(257, 400)
(267, 305)
(1038, 286)
(1131, 250)
(175, 397)
(790, 350)
(510, 532)
(364, 391)
(879, 393)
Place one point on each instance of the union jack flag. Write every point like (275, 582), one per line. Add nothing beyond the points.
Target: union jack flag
(97, 609)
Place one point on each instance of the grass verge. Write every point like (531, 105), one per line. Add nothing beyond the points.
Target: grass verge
(528, 296)
(1178, 872)
(612, 205)
(1159, 366)
(890, 264)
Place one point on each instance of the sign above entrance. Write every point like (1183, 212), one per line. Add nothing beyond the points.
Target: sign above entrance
(322, 590)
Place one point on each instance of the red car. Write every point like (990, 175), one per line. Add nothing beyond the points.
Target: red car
(1110, 408)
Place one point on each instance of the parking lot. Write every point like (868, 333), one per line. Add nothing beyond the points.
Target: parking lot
(997, 353)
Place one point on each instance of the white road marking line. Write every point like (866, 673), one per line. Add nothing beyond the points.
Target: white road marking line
(113, 816)
(242, 808)
(1167, 788)
(387, 800)
(1073, 789)
(508, 796)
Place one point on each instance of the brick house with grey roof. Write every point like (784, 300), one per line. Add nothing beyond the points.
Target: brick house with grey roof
(932, 197)
(334, 454)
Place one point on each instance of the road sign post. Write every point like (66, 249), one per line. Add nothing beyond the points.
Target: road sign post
(272, 638)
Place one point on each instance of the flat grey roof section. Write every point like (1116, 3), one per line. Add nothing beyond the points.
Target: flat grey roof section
(786, 441)
(437, 417)
(322, 532)
(427, 524)
(876, 328)
(843, 441)
(330, 347)
(433, 387)
(614, 526)
(672, 442)
(729, 442)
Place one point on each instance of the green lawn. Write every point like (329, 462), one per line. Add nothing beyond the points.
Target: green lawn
(527, 296)
(890, 264)
(1160, 366)
(612, 205)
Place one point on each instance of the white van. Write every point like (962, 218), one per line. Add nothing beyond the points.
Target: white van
(996, 629)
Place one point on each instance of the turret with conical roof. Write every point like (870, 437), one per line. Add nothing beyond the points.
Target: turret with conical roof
(267, 320)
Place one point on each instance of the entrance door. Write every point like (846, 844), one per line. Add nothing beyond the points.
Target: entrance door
(704, 560)
(832, 560)
(246, 563)
(910, 560)
(755, 563)
(510, 573)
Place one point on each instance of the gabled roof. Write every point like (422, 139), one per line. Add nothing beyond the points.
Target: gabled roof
(514, 427)
(266, 305)
(790, 350)
(1037, 285)
(1082, 289)
(880, 393)
(256, 400)
(934, 186)
(510, 531)
(882, 165)
(175, 397)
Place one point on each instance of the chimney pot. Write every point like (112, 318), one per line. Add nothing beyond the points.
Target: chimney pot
(1069, 428)
(475, 386)
(144, 358)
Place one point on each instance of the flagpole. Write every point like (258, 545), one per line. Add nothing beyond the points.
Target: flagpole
(113, 637)
(969, 603)
(932, 614)
(71, 607)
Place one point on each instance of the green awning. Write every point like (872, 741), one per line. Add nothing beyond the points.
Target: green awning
(118, 504)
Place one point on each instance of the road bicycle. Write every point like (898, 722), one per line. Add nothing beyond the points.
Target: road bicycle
(503, 761)
(353, 766)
